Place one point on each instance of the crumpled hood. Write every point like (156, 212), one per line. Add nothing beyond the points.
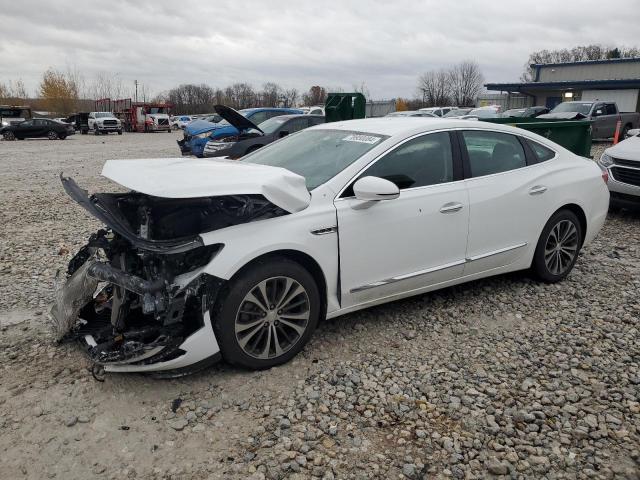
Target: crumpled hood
(200, 126)
(628, 149)
(562, 116)
(188, 178)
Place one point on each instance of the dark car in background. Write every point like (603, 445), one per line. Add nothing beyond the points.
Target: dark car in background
(257, 136)
(528, 112)
(199, 132)
(80, 122)
(37, 128)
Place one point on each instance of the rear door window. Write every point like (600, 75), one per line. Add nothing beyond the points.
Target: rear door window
(493, 152)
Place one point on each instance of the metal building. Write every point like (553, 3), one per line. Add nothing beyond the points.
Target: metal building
(615, 80)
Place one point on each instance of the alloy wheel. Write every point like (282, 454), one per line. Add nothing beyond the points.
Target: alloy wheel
(52, 135)
(9, 136)
(561, 247)
(272, 317)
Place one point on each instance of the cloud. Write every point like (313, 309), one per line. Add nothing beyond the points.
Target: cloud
(297, 43)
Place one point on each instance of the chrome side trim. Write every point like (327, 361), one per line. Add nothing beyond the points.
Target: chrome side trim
(406, 276)
(325, 230)
(495, 252)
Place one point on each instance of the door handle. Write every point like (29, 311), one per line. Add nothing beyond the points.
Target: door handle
(537, 190)
(451, 207)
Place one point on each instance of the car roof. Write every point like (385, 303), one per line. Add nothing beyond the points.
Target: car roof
(298, 115)
(412, 125)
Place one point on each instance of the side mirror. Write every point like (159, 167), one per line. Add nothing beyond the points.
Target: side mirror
(374, 189)
(283, 133)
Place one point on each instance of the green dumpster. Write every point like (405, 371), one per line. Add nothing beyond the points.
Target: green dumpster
(574, 135)
(344, 106)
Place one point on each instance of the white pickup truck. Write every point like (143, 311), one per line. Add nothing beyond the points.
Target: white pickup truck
(104, 122)
(605, 117)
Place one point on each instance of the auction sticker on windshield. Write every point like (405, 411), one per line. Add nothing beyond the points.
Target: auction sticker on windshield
(370, 139)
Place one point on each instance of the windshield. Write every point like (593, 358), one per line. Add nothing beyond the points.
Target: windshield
(317, 155)
(152, 110)
(458, 112)
(271, 125)
(104, 114)
(579, 107)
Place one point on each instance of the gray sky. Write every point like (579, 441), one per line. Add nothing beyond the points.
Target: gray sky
(297, 43)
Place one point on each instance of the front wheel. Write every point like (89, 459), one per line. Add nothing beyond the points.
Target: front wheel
(120, 132)
(96, 131)
(10, 136)
(268, 314)
(558, 247)
(52, 135)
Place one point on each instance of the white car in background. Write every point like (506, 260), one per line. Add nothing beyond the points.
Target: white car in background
(622, 164)
(438, 111)
(178, 122)
(104, 123)
(240, 259)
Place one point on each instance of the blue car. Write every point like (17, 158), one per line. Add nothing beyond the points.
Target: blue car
(199, 132)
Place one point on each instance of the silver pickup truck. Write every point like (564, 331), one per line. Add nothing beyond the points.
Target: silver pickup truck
(605, 116)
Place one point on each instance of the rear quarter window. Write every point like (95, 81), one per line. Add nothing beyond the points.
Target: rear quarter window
(541, 152)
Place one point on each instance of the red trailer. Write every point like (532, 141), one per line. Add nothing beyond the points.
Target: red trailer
(138, 116)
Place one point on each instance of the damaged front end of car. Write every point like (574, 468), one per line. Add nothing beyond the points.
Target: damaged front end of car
(136, 294)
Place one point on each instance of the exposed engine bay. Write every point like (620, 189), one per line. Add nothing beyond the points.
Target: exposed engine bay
(137, 291)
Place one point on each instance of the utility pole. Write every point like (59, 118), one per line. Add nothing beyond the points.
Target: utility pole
(136, 84)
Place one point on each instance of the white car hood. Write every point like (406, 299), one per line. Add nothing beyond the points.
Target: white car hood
(628, 149)
(189, 178)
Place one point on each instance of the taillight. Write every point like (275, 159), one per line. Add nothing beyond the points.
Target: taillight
(605, 176)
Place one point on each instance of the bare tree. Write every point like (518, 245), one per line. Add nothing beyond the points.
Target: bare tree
(290, 97)
(466, 81)
(363, 89)
(316, 95)
(435, 88)
(270, 95)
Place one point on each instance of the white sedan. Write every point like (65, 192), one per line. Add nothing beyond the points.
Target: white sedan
(622, 163)
(208, 259)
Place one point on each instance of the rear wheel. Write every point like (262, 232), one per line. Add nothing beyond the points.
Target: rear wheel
(9, 136)
(268, 314)
(52, 135)
(558, 247)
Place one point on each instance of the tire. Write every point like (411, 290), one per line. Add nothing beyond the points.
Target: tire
(120, 132)
(52, 135)
(146, 128)
(246, 346)
(554, 260)
(9, 136)
(96, 131)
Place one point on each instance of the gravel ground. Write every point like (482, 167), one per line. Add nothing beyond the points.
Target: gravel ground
(500, 377)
